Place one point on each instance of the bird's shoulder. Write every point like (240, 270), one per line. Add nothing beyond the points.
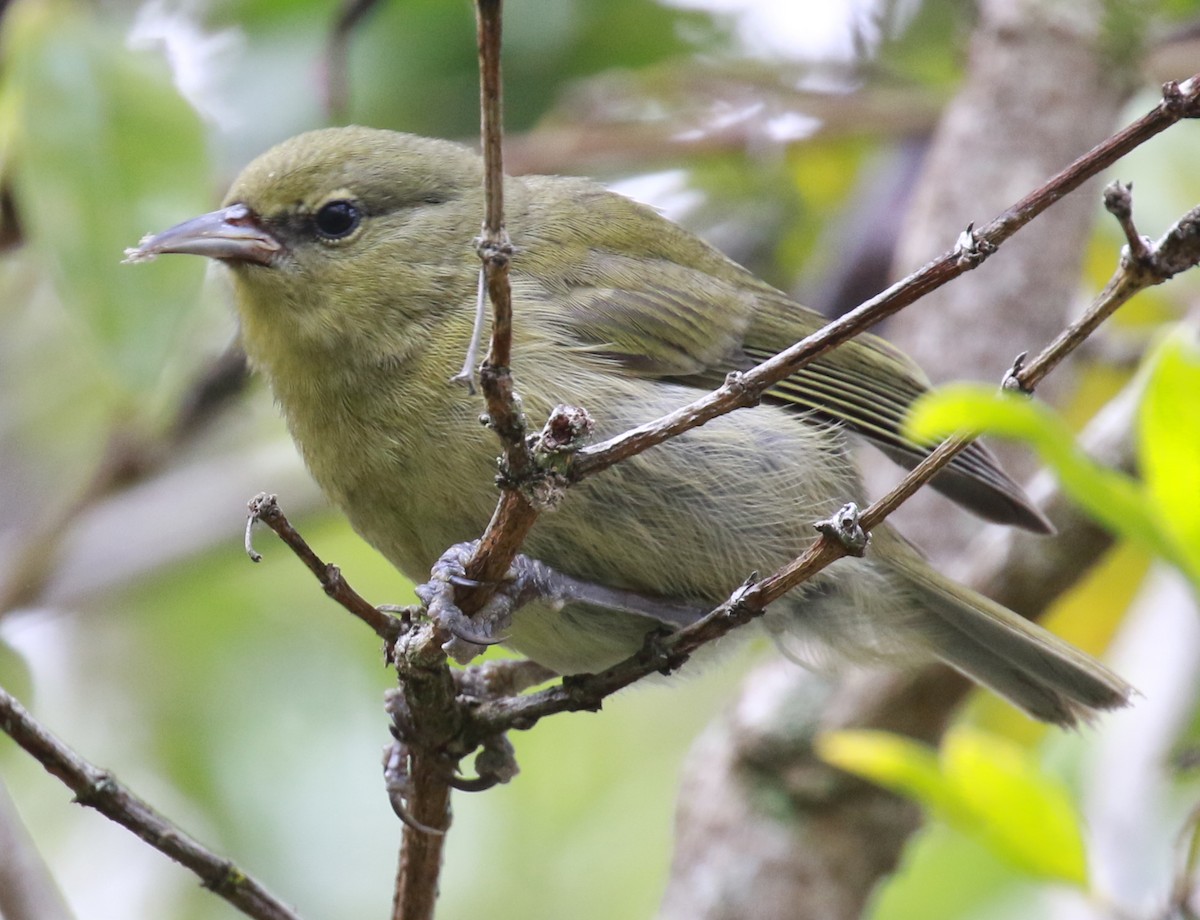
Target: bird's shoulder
(619, 279)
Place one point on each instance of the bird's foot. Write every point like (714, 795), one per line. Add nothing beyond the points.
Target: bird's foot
(471, 635)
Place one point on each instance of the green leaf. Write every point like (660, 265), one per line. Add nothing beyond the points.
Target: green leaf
(1021, 813)
(1118, 502)
(1169, 443)
(103, 150)
(892, 761)
(983, 786)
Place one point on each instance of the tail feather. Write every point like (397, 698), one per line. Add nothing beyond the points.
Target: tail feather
(1027, 665)
(1034, 669)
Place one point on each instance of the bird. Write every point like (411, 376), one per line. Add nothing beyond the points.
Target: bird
(354, 278)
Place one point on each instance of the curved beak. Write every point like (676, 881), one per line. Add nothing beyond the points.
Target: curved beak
(232, 234)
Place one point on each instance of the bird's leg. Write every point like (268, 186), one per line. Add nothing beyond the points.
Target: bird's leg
(529, 580)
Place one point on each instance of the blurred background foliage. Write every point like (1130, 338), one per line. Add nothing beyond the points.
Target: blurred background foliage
(236, 697)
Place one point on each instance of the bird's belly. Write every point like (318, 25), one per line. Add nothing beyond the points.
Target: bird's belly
(691, 519)
(688, 520)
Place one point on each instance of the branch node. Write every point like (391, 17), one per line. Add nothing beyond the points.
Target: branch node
(1011, 381)
(566, 430)
(227, 879)
(495, 252)
(258, 509)
(1118, 201)
(1179, 248)
(1182, 100)
(970, 249)
(1174, 99)
(735, 384)
(546, 491)
(664, 657)
(332, 582)
(844, 527)
(580, 693)
(101, 784)
(739, 598)
(545, 481)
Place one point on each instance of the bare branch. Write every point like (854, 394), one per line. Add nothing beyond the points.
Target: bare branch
(1142, 265)
(99, 789)
(423, 663)
(336, 65)
(428, 727)
(424, 838)
(1164, 259)
(861, 829)
(265, 508)
(514, 515)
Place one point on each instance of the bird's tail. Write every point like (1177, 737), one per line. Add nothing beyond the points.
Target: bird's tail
(1032, 668)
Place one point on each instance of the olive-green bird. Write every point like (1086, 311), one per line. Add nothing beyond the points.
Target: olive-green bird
(356, 277)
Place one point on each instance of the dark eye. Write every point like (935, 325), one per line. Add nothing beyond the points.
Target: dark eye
(337, 219)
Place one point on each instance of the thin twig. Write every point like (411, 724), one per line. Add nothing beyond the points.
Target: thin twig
(430, 773)
(264, 507)
(99, 789)
(337, 64)
(1178, 249)
(514, 515)
(1150, 264)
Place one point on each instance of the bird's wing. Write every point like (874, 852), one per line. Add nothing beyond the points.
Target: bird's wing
(627, 284)
(869, 385)
(684, 323)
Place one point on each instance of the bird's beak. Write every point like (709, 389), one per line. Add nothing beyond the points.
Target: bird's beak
(233, 234)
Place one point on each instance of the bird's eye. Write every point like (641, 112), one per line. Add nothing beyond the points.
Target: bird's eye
(337, 219)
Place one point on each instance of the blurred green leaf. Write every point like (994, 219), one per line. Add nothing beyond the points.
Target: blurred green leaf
(983, 786)
(1169, 442)
(892, 761)
(103, 151)
(1023, 814)
(1116, 501)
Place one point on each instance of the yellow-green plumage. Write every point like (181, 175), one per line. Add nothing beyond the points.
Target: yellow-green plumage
(621, 311)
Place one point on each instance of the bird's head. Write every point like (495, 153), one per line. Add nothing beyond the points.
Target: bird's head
(331, 227)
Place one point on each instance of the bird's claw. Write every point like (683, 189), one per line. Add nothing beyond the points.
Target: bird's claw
(470, 636)
(495, 763)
